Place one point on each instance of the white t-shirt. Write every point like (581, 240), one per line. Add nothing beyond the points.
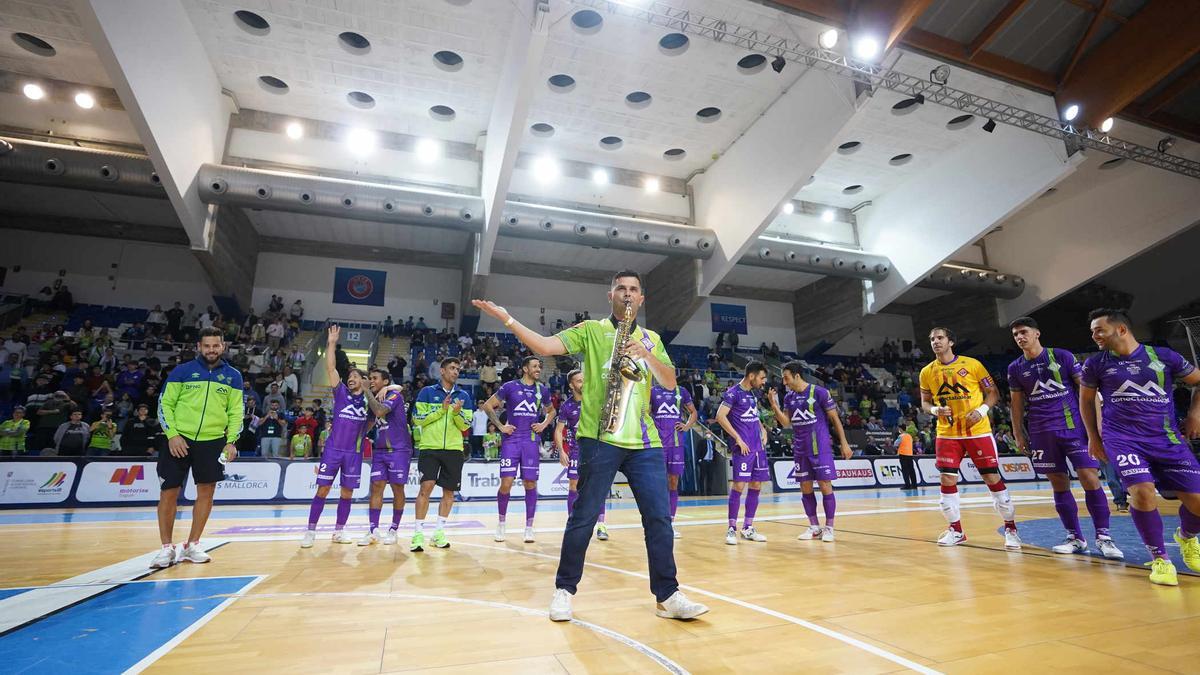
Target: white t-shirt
(479, 422)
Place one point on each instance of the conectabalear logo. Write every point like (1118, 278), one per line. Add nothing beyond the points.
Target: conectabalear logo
(56, 480)
(126, 476)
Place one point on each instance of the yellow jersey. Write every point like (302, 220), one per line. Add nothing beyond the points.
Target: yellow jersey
(959, 385)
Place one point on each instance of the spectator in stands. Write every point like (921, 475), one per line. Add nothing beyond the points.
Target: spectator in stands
(258, 333)
(13, 432)
(101, 433)
(135, 335)
(48, 409)
(157, 318)
(249, 395)
(12, 379)
(140, 434)
(435, 367)
(276, 305)
(78, 391)
(306, 424)
(208, 318)
(421, 325)
(395, 368)
(324, 436)
(275, 334)
(408, 327)
(296, 313)
(189, 327)
(175, 322)
(293, 413)
(63, 300)
(71, 437)
(233, 331)
(388, 327)
(319, 413)
(129, 381)
(289, 384)
(854, 421)
(487, 373)
(300, 447)
(873, 424)
(271, 431)
(274, 397)
(150, 397)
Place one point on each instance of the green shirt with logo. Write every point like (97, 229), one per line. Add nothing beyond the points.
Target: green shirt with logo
(12, 435)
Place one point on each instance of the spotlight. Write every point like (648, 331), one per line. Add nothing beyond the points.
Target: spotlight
(866, 48)
(1106, 126)
(651, 185)
(989, 126)
(789, 207)
(599, 176)
(828, 39)
(545, 169)
(778, 63)
(1070, 112)
(85, 100)
(827, 215)
(940, 75)
(360, 141)
(428, 150)
(33, 91)
(294, 130)
(1166, 144)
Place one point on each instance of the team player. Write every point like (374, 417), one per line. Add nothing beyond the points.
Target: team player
(1043, 384)
(1140, 436)
(738, 416)
(812, 413)
(342, 453)
(568, 445)
(959, 392)
(391, 454)
(442, 413)
(523, 400)
(668, 405)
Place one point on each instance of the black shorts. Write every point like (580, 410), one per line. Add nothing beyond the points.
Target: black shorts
(203, 459)
(443, 467)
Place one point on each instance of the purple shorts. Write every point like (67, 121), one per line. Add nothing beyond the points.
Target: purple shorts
(811, 467)
(391, 466)
(1171, 466)
(752, 467)
(348, 463)
(674, 457)
(520, 453)
(1050, 451)
(573, 463)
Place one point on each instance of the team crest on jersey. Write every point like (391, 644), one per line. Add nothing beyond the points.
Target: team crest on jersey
(1157, 366)
(962, 372)
(1133, 369)
(749, 414)
(667, 409)
(1131, 389)
(803, 416)
(1047, 388)
(1054, 366)
(526, 407)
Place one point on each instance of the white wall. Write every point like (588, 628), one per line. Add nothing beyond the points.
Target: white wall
(146, 274)
(525, 297)
(874, 330)
(765, 322)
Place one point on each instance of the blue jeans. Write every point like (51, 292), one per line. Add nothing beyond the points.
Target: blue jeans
(1120, 497)
(647, 474)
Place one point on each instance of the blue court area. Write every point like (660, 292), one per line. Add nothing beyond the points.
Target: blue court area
(1047, 532)
(113, 631)
(9, 592)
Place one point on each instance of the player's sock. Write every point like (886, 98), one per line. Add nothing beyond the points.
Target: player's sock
(603, 510)
(1004, 504)
(674, 497)
(530, 506)
(1189, 523)
(830, 504)
(314, 511)
(420, 527)
(571, 497)
(397, 513)
(373, 515)
(441, 523)
(343, 513)
(810, 507)
(950, 509)
(1068, 512)
(1150, 527)
(502, 505)
(735, 503)
(751, 506)
(1097, 505)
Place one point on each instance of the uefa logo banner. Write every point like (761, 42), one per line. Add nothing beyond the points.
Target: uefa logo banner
(353, 286)
(36, 482)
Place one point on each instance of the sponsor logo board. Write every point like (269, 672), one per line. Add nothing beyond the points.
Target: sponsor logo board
(36, 482)
(118, 482)
(243, 480)
(1016, 468)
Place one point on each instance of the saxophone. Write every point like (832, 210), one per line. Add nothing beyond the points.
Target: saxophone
(623, 373)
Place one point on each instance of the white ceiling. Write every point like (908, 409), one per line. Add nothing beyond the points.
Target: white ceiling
(57, 201)
(568, 256)
(357, 232)
(766, 277)
(56, 22)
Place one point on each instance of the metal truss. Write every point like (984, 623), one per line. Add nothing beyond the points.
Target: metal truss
(875, 76)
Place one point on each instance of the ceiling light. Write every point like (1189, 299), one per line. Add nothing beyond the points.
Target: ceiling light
(828, 39)
(599, 176)
(1070, 112)
(827, 215)
(1166, 144)
(1107, 125)
(545, 169)
(85, 100)
(866, 48)
(33, 91)
(778, 63)
(651, 185)
(989, 126)
(940, 75)
(360, 141)
(294, 130)
(428, 150)
(789, 207)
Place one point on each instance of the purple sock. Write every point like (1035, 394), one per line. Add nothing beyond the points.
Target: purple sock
(674, 494)
(1097, 505)
(571, 497)
(751, 506)
(603, 511)
(1068, 512)
(502, 505)
(374, 517)
(735, 503)
(314, 511)
(343, 513)
(530, 506)
(830, 504)
(397, 514)
(1150, 526)
(1189, 523)
(810, 507)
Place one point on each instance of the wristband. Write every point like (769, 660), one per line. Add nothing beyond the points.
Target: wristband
(511, 321)
(983, 410)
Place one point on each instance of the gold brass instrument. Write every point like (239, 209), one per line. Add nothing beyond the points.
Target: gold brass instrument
(623, 374)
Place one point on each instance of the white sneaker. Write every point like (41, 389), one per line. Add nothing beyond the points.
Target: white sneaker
(499, 533)
(679, 607)
(529, 535)
(751, 534)
(813, 532)
(1071, 545)
(827, 535)
(164, 559)
(369, 538)
(1012, 540)
(388, 537)
(951, 537)
(731, 537)
(676, 533)
(560, 605)
(193, 554)
(340, 537)
(1108, 548)
(309, 537)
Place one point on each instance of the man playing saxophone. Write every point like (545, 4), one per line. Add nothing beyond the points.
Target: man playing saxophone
(616, 432)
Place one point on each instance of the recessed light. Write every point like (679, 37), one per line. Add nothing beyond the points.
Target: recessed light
(651, 185)
(428, 150)
(360, 141)
(294, 130)
(33, 91)
(789, 207)
(85, 100)
(827, 215)
(600, 176)
(546, 169)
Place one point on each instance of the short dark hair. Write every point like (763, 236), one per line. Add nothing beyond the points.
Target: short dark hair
(1112, 314)
(211, 331)
(755, 367)
(572, 374)
(525, 361)
(383, 374)
(627, 273)
(361, 373)
(949, 333)
(794, 367)
(449, 360)
(1026, 321)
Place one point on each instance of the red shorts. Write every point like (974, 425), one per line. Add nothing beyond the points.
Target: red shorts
(982, 451)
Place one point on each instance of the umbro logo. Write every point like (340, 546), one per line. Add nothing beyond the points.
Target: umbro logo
(1131, 389)
(1047, 388)
(526, 408)
(801, 415)
(667, 409)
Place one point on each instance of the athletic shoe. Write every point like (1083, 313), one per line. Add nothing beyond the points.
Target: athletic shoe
(340, 537)
(529, 535)
(602, 532)
(1108, 548)
(191, 553)
(1189, 549)
(1162, 572)
(499, 533)
(1012, 540)
(560, 605)
(369, 538)
(164, 559)
(388, 537)
(418, 542)
(731, 536)
(951, 537)
(310, 536)
(439, 539)
(1122, 508)
(751, 534)
(1071, 545)
(679, 607)
(676, 533)
(813, 532)
(827, 535)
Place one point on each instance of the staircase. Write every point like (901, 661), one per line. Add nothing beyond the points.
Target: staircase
(389, 347)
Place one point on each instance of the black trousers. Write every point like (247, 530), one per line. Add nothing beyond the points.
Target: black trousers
(908, 469)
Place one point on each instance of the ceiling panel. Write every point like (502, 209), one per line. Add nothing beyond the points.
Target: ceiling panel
(358, 232)
(57, 201)
(56, 22)
(569, 256)
(765, 277)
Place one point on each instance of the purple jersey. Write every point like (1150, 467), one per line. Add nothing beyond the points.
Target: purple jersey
(810, 425)
(349, 420)
(1137, 392)
(523, 406)
(568, 415)
(1048, 385)
(668, 406)
(743, 415)
(391, 430)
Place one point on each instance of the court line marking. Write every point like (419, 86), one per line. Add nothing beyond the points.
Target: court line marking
(132, 581)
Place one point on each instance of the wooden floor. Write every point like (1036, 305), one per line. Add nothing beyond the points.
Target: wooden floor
(883, 598)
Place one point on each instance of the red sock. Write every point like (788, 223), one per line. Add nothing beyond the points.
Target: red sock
(1010, 525)
(956, 526)
(949, 489)
(998, 486)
